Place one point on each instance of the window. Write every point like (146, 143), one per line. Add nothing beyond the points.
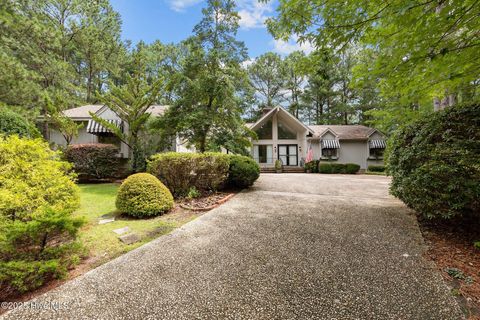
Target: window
(109, 138)
(285, 133)
(263, 153)
(329, 153)
(376, 153)
(265, 131)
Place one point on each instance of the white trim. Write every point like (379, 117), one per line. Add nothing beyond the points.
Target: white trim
(275, 110)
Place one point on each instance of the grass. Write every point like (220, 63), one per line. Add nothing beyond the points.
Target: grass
(102, 243)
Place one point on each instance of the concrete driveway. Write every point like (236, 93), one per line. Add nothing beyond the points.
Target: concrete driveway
(296, 246)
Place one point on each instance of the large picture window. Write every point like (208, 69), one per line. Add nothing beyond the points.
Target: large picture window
(376, 153)
(329, 153)
(285, 133)
(265, 131)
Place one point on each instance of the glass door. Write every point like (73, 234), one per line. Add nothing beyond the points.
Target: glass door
(287, 153)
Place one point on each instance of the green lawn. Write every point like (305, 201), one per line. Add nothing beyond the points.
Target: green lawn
(100, 240)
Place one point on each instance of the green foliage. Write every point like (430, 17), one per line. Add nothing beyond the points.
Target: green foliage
(131, 102)
(351, 168)
(181, 171)
(324, 167)
(13, 123)
(193, 193)
(206, 112)
(143, 195)
(476, 244)
(94, 160)
(243, 171)
(278, 164)
(37, 230)
(312, 166)
(420, 49)
(32, 177)
(435, 163)
(376, 168)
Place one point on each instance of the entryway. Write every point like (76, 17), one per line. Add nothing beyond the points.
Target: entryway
(288, 154)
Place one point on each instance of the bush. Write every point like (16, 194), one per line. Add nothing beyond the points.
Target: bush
(324, 168)
(181, 171)
(312, 166)
(93, 160)
(351, 168)
(376, 168)
(338, 168)
(435, 163)
(143, 195)
(37, 230)
(243, 171)
(11, 123)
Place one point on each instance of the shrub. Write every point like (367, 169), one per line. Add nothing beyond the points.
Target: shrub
(376, 168)
(37, 230)
(435, 163)
(243, 171)
(11, 123)
(324, 167)
(93, 160)
(143, 195)
(180, 171)
(278, 164)
(312, 166)
(351, 168)
(338, 168)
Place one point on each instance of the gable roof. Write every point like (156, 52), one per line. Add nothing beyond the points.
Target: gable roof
(273, 111)
(344, 132)
(83, 112)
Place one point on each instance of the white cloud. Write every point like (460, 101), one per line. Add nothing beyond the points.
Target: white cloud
(247, 63)
(287, 47)
(253, 14)
(181, 5)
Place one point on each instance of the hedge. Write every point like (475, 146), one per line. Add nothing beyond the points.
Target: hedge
(243, 171)
(93, 160)
(435, 163)
(37, 229)
(350, 168)
(376, 168)
(143, 195)
(181, 171)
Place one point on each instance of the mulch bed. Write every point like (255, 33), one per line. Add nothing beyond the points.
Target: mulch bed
(206, 201)
(451, 247)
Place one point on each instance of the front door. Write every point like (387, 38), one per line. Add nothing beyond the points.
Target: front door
(287, 153)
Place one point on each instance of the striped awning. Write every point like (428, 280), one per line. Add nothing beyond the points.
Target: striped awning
(377, 144)
(330, 144)
(95, 127)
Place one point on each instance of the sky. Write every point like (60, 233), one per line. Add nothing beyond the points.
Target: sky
(173, 21)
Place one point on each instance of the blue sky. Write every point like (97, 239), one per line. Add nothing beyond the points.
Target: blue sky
(173, 20)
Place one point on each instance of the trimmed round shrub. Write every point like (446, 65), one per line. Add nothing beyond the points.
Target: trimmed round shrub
(376, 168)
(352, 168)
(143, 195)
(243, 171)
(435, 163)
(12, 123)
(93, 160)
(324, 167)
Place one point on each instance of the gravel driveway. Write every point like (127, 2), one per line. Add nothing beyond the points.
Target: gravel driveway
(296, 246)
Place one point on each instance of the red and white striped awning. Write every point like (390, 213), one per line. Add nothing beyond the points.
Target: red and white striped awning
(330, 144)
(377, 144)
(95, 127)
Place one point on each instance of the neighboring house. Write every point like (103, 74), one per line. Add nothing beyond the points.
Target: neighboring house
(93, 132)
(282, 136)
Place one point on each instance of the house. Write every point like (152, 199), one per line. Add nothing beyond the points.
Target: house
(93, 132)
(284, 137)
